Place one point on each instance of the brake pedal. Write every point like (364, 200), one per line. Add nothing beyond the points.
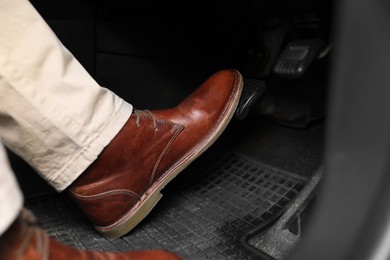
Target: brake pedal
(296, 58)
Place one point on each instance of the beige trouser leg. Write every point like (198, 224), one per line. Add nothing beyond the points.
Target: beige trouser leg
(52, 112)
(11, 199)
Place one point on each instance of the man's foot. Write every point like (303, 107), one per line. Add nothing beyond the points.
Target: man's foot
(122, 186)
(25, 241)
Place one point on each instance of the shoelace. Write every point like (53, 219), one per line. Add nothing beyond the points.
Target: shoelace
(28, 230)
(138, 113)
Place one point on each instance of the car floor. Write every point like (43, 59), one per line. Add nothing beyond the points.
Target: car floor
(246, 179)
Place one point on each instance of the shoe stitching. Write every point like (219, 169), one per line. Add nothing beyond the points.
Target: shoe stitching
(178, 130)
(107, 194)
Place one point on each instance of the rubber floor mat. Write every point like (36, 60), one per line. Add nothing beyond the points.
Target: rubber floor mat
(205, 221)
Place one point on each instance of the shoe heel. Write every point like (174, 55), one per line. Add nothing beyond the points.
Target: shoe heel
(132, 220)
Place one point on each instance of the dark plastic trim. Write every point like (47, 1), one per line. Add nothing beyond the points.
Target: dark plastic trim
(351, 219)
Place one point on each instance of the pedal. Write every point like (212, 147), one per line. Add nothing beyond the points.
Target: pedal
(297, 57)
(251, 92)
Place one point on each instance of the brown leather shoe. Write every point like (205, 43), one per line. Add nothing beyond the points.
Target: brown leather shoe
(123, 185)
(25, 241)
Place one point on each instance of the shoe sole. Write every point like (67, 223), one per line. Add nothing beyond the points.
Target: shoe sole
(152, 196)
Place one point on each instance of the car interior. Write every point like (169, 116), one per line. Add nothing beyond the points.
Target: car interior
(299, 173)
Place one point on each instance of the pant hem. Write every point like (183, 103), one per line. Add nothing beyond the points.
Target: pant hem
(85, 157)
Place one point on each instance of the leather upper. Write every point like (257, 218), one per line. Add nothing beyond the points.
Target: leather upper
(149, 146)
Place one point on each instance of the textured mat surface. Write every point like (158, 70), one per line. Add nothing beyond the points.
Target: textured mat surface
(205, 221)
